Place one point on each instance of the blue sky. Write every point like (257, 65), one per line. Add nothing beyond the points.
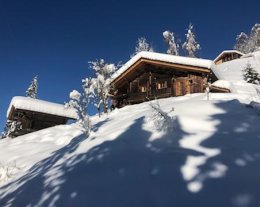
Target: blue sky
(56, 39)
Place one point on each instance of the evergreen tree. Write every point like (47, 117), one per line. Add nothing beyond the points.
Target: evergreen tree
(33, 88)
(191, 46)
(142, 45)
(242, 43)
(251, 75)
(173, 47)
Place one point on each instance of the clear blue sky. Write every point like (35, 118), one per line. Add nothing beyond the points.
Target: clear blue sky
(55, 39)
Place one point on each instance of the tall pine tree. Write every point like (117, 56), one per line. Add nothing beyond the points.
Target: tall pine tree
(142, 45)
(249, 43)
(254, 40)
(33, 88)
(242, 43)
(191, 46)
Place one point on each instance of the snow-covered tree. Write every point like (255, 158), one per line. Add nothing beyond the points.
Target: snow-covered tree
(161, 119)
(251, 75)
(80, 102)
(101, 83)
(251, 43)
(173, 47)
(191, 46)
(142, 45)
(33, 88)
(10, 127)
(242, 43)
(254, 40)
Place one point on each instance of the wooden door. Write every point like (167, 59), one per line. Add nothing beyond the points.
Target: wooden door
(181, 87)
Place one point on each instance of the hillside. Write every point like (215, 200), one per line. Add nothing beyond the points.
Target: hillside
(209, 157)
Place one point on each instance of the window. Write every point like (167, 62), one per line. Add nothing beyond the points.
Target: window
(143, 89)
(162, 85)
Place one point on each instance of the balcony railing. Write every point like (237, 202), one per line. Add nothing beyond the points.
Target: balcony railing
(146, 96)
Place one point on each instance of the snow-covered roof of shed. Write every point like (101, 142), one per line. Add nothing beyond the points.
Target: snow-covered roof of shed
(30, 104)
(164, 58)
(227, 51)
(222, 84)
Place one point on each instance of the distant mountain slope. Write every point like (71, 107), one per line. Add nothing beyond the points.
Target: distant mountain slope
(210, 157)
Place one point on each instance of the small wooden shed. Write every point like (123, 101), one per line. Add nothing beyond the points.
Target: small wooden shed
(227, 55)
(34, 114)
(150, 75)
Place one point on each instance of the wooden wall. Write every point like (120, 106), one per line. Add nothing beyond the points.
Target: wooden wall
(159, 83)
(34, 121)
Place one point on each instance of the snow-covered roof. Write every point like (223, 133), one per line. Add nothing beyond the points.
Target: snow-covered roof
(163, 58)
(226, 52)
(222, 84)
(30, 104)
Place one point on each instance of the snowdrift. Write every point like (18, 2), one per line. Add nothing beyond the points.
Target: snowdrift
(211, 157)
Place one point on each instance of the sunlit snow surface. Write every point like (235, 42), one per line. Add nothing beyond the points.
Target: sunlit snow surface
(210, 157)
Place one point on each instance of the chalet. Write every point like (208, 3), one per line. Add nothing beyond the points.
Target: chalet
(150, 75)
(227, 55)
(34, 114)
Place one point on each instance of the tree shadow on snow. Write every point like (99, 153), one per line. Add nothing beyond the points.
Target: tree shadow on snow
(96, 126)
(133, 171)
(238, 138)
(128, 171)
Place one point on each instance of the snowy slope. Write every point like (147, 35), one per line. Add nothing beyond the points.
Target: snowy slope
(211, 157)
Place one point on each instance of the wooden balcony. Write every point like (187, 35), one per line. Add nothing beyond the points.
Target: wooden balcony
(139, 97)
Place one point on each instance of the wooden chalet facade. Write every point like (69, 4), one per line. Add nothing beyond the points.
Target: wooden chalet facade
(152, 75)
(32, 115)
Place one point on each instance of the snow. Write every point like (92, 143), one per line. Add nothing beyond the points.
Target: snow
(29, 149)
(37, 105)
(233, 70)
(222, 84)
(165, 58)
(75, 95)
(211, 152)
(231, 73)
